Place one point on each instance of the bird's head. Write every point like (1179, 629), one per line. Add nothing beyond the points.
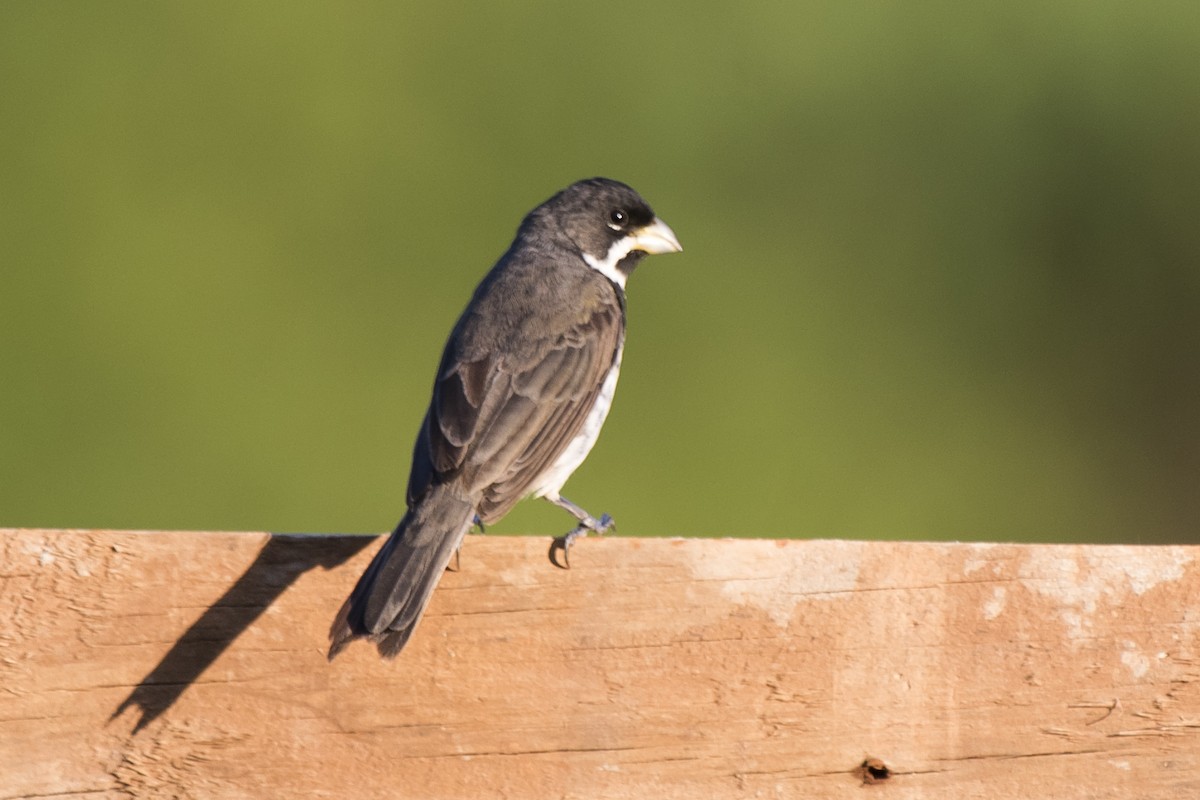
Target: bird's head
(608, 223)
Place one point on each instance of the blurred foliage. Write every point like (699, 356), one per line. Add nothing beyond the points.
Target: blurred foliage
(941, 278)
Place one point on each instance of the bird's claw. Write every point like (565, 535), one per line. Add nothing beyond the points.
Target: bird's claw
(585, 526)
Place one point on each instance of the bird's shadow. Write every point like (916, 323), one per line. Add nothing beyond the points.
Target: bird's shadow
(283, 559)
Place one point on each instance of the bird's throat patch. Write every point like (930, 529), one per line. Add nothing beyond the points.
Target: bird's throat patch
(610, 266)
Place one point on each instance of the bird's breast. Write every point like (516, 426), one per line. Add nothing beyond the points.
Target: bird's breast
(551, 481)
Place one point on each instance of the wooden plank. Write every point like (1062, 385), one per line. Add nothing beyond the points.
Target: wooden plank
(654, 668)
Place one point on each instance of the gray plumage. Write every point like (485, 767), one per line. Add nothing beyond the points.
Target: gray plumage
(521, 391)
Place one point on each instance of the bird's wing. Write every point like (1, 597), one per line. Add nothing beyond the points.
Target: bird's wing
(500, 421)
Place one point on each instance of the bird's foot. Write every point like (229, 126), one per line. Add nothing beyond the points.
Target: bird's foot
(586, 525)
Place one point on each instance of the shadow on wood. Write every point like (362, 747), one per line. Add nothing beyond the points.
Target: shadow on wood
(283, 559)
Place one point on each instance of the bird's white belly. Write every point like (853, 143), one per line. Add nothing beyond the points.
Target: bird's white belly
(551, 481)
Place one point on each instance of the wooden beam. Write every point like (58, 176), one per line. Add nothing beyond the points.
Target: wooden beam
(174, 664)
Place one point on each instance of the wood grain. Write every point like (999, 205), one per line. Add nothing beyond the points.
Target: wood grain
(654, 668)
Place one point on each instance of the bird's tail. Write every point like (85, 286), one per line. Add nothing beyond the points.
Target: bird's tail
(391, 595)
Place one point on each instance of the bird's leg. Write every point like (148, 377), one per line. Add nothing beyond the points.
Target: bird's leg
(587, 523)
(476, 522)
(586, 520)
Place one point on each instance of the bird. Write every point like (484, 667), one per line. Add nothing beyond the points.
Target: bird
(525, 382)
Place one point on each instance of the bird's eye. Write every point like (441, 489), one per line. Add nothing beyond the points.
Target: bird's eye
(617, 219)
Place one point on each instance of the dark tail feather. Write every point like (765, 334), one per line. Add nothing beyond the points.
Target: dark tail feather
(387, 603)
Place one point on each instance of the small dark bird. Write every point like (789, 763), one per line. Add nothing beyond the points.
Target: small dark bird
(524, 385)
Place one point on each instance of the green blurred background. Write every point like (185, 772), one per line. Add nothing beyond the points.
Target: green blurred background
(941, 278)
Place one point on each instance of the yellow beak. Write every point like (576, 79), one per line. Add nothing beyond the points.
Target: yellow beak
(656, 237)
